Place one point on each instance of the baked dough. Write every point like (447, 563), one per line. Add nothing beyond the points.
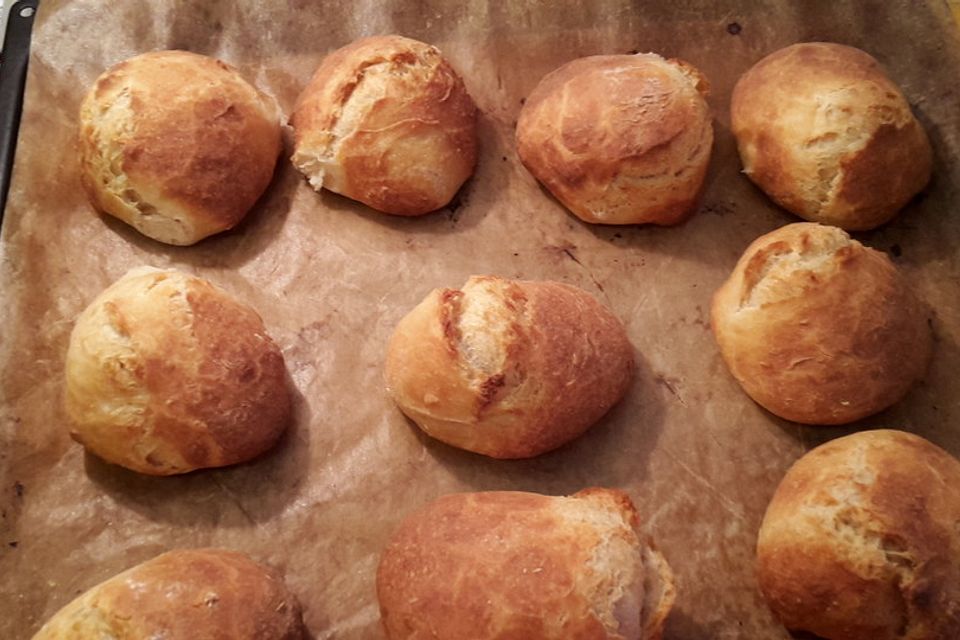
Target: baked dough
(386, 121)
(193, 594)
(176, 144)
(826, 134)
(620, 139)
(166, 373)
(489, 566)
(509, 369)
(818, 328)
(861, 542)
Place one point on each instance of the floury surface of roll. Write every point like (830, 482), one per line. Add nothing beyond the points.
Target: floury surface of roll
(820, 329)
(620, 139)
(826, 134)
(386, 121)
(185, 594)
(332, 278)
(495, 565)
(176, 144)
(860, 541)
(166, 373)
(509, 369)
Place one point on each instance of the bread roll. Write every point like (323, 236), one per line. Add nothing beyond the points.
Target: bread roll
(861, 541)
(166, 374)
(818, 328)
(619, 139)
(489, 566)
(386, 121)
(177, 145)
(202, 594)
(826, 134)
(509, 369)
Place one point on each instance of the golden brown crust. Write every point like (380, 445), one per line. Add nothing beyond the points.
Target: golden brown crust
(619, 139)
(818, 328)
(861, 541)
(509, 369)
(825, 133)
(177, 145)
(166, 374)
(201, 594)
(509, 565)
(386, 121)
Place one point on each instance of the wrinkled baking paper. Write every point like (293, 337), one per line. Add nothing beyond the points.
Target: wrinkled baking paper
(331, 278)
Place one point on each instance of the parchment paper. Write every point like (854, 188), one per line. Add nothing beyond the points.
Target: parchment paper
(331, 278)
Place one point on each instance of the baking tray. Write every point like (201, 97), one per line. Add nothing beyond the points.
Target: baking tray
(332, 278)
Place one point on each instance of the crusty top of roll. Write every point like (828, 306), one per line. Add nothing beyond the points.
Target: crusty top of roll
(521, 565)
(619, 139)
(826, 134)
(506, 368)
(176, 144)
(818, 328)
(166, 373)
(208, 594)
(861, 540)
(386, 121)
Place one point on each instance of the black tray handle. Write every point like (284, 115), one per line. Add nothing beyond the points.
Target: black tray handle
(13, 75)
